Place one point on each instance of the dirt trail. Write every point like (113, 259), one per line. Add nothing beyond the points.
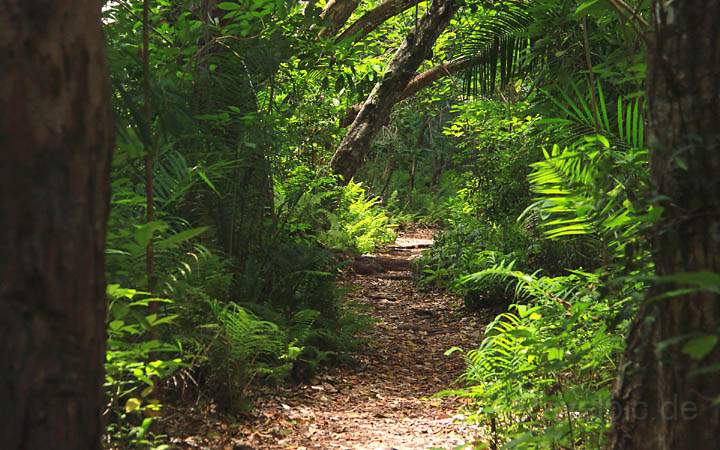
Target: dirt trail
(385, 401)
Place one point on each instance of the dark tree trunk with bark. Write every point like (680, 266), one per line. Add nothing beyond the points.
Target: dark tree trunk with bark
(661, 401)
(56, 136)
(375, 112)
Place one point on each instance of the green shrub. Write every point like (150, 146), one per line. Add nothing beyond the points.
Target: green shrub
(542, 375)
(136, 363)
(360, 223)
(244, 348)
(544, 371)
(339, 217)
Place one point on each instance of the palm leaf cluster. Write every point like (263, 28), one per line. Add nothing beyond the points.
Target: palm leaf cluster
(499, 46)
(585, 188)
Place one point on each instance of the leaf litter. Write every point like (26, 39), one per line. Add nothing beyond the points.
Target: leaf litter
(384, 400)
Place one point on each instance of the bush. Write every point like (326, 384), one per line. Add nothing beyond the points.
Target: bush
(286, 320)
(360, 224)
(543, 373)
(136, 363)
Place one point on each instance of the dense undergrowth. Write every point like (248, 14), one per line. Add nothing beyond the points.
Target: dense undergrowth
(220, 329)
(247, 236)
(566, 255)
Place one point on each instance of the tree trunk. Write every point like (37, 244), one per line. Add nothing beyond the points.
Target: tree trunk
(421, 81)
(336, 14)
(387, 92)
(56, 133)
(419, 145)
(387, 174)
(375, 17)
(659, 402)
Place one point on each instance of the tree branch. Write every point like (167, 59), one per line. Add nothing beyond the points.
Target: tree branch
(421, 81)
(336, 14)
(374, 113)
(374, 18)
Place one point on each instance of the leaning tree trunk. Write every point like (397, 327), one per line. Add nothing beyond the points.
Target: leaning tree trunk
(56, 135)
(336, 14)
(662, 401)
(375, 17)
(420, 81)
(351, 152)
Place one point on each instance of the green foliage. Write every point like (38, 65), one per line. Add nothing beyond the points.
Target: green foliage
(546, 366)
(253, 289)
(136, 362)
(360, 225)
(576, 197)
(247, 229)
(342, 218)
(496, 38)
(496, 143)
(244, 348)
(596, 189)
(544, 371)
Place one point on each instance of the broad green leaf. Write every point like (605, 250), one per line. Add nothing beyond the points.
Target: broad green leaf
(180, 237)
(555, 354)
(132, 404)
(585, 5)
(146, 231)
(700, 346)
(228, 6)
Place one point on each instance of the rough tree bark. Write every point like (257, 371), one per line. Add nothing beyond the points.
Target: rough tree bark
(386, 93)
(336, 14)
(56, 135)
(374, 18)
(660, 403)
(420, 82)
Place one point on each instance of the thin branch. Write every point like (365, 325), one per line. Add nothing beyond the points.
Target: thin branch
(129, 10)
(149, 162)
(626, 12)
(588, 61)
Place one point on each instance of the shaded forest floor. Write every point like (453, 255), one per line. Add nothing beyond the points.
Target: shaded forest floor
(385, 399)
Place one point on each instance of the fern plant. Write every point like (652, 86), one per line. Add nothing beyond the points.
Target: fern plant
(245, 347)
(361, 224)
(543, 372)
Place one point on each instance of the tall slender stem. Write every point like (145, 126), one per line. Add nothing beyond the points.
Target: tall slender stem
(147, 111)
(591, 75)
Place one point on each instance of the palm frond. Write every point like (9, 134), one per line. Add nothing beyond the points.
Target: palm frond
(499, 47)
(625, 128)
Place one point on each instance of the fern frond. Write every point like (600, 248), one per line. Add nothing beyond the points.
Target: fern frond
(246, 336)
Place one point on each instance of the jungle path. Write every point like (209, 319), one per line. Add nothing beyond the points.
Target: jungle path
(385, 400)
